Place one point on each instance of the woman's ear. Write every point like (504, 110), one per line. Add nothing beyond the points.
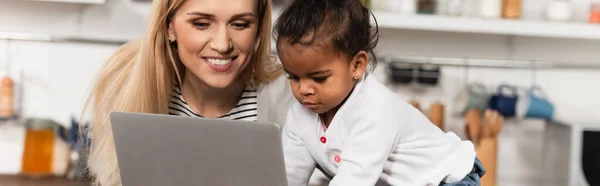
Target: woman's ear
(359, 64)
(171, 33)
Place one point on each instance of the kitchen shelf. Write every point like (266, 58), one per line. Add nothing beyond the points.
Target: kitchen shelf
(391, 20)
(24, 36)
(530, 28)
(571, 30)
(97, 2)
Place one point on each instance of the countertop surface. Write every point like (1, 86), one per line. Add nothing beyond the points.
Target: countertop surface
(10, 180)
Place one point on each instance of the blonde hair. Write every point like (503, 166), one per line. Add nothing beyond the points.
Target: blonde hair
(139, 77)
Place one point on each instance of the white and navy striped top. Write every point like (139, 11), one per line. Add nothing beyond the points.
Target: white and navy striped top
(246, 109)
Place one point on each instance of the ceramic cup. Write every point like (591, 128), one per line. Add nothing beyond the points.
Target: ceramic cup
(400, 73)
(474, 96)
(559, 11)
(505, 101)
(428, 74)
(539, 106)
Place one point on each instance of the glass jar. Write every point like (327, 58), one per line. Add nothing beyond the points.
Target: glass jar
(595, 13)
(38, 148)
(455, 7)
(511, 9)
(490, 8)
(559, 10)
(426, 6)
(6, 97)
(378, 5)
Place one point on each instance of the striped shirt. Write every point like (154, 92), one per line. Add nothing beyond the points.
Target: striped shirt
(246, 109)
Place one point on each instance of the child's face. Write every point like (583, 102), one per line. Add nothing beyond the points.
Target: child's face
(320, 79)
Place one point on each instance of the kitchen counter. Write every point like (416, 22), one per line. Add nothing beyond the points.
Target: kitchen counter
(10, 180)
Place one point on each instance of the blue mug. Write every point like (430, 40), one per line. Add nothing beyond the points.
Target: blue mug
(504, 101)
(539, 106)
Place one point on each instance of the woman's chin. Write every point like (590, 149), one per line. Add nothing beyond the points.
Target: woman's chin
(220, 83)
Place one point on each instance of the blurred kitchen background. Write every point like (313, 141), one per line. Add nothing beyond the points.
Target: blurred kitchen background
(537, 62)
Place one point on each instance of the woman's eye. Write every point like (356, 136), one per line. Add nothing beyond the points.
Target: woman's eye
(201, 25)
(240, 25)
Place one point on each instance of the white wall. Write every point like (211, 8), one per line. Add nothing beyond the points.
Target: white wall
(57, 75)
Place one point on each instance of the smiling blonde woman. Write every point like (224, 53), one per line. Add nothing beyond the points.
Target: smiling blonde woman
(199, 58)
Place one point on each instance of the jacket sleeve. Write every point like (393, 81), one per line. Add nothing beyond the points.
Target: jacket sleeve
(370, 141)
(299, 163)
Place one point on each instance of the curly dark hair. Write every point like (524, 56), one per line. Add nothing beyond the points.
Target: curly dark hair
(345, 24)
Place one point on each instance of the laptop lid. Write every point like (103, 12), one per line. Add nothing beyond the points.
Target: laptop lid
(159, 150)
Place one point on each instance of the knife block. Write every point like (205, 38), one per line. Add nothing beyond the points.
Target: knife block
(485, 138)
(436, 114)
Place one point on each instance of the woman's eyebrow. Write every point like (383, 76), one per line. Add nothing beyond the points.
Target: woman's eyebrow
(243, 15)
(200, 14)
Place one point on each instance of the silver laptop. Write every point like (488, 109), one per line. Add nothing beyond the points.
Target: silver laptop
(160, 150)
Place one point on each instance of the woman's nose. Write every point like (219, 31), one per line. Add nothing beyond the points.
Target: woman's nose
(221, 41)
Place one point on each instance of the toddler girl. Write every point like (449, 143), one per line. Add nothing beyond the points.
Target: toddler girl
(345, 122)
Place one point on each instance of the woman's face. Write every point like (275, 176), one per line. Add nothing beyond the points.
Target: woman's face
(215, 38)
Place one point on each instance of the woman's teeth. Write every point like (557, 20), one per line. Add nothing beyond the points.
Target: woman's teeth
(219, 61)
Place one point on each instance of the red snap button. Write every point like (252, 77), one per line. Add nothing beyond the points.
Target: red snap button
(323, 139)
(337, 159)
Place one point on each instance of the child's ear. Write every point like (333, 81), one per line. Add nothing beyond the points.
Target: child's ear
(359, 64)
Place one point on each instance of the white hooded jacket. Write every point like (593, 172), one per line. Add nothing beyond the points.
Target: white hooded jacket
(374, 138)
